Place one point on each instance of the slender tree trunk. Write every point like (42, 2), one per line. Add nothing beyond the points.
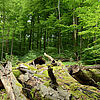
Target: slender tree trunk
(75, 36)
(37, 41)
(7, 42)
(3, 31)
(20, 42)
(32, 24)
(40, 38)
(24, 44)
(59, 34)
(47, 39)
(12, 42)
(2, 44)
(30, 39)
(80, 46)
(44, 40)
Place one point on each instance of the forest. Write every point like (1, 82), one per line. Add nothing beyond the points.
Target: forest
(67, 30)
(63, 28)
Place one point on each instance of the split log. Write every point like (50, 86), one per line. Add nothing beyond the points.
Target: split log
(10, 83)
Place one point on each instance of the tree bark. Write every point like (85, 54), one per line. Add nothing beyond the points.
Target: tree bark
(59, 34)
(78, 73)
(10, 83)
(75, 35)
(3, 30)
(12, 42)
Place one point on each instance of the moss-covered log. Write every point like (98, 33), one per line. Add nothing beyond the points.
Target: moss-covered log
(38, 85)
(85, 77)
(36, 82)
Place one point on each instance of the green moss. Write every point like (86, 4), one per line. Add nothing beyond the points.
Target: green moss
(14, 68)
(30, 67)
(45, 73)
(32, 92)
(18, 84)
(40, 76)
(56, 68)
(16, 73)
(29, 61)
(74, 86)
(46, 83)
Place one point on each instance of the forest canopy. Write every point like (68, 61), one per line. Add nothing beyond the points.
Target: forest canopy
(62, 28)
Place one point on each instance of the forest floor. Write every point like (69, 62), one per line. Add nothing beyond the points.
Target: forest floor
(4, 96)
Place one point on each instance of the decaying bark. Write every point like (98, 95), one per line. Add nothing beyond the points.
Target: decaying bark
(10, 83)
(54, 62)
(52, 92)
(53, 82)
(91, 67)
(77, 72)
(49, 57)
(49, 82)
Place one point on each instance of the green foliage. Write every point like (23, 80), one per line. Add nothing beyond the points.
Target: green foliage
(51, 50)
(91, 55)
(3, 95)
(13, 59)
(98, 83)
(69, 63)
(31, 27)
(31, 55)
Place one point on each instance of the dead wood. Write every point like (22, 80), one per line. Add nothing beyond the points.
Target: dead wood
(49, 57)
(53, 82)
(10, 83)
(54, 62)
(77, 73)
(31, 82)
(91, 67)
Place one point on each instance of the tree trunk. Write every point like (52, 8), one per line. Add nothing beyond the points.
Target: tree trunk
(59, 34)
(75, 36)
(7, 41)
(3, 30)
(44, 40)
(32, 24)
(40, 38)
(30, 39)
(80, 46)
(9, 81)
(12, 42)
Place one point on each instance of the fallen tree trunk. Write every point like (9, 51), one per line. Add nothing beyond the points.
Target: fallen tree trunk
(50, 81)
(83, 77)
(36, 86)
(10, 83)
(91, 67)
(54, 83)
